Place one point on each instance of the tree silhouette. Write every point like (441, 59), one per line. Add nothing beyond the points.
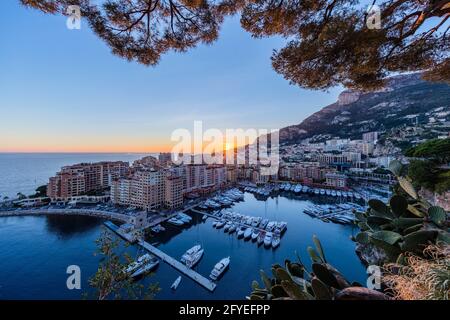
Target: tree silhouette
(329, 41)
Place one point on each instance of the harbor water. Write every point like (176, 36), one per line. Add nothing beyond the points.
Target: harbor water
(36, 251)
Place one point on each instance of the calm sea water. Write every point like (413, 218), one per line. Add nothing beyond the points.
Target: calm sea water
(24, 172)
(37, 250)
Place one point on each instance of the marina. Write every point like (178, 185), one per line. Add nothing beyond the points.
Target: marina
(64, 237)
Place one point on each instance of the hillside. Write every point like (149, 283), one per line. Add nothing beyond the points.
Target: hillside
(405, 100)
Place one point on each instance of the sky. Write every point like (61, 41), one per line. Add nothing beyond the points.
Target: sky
(63, 90)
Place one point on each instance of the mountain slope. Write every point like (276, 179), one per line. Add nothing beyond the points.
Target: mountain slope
(406, 99)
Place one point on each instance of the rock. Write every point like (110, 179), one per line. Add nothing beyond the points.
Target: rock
(360, 293)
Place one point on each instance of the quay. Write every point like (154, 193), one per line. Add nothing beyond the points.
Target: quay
(201, 280)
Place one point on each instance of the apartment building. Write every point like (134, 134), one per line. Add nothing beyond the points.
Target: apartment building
(82, 178)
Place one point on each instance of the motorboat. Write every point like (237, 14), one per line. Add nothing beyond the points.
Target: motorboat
(275, 241)
(220, 224)
(219, 268)
(193, 259)
(270, 226)
(176, 283)
(140, 261)
(268, 239)
(232, 228)
(263, 223)
(240, 232)
(261, 237)
(148, 266)
(227, 226)
(248, 233)
(255, 234)
(175, 222)
(190, 252)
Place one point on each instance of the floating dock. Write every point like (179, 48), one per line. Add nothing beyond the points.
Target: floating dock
(201, 280)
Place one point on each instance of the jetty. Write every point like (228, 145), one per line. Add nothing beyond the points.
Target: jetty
(201, 280)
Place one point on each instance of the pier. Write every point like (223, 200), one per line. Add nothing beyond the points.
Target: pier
(201, 280)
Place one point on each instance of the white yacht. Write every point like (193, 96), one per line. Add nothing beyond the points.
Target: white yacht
(138, 263)
(186, 256)
(175, 222)
(275, 241)
(219, 268)
(248, 233)
(255, 234)
(193, 259)
(148, 266)
(268, 239)
(240, 232)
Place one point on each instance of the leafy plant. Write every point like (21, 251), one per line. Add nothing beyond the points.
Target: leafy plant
(323, 282)
(110, 281)
(404, 225)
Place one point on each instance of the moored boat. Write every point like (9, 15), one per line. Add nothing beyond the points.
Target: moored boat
(248, 233)
(268, 239)
(255, 234)
(190, 252)
(275, 241)
(138, 263)
(219, 268)
(176, 283)
(148, 266)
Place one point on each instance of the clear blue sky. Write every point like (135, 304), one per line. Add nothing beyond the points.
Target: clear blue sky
(62, 90)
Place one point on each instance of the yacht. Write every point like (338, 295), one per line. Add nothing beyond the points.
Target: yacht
(261, 237)
(190, 252)
(263, 223)
(193, 259)
(176, 283)
(220, 224)
(227, 226)
(316, 191)
(138, 263)
(175, 222)
(328, 192)
(268, 239)
(270, 226)
(282, 226)
(255, 234)
(220, 268)
(333, 193)
(148, 266)
(240, 232)
(248, 233)
(232, 229)
(338, 193)
(184, 217)
(275, 241)
(322, 191)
